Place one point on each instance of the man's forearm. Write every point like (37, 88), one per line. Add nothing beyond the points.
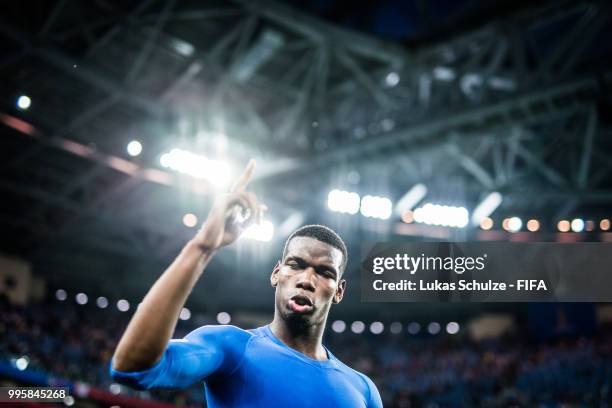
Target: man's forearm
(147, 335)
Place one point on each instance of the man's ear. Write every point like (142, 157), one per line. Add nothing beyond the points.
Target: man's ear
(340, 291)
(274, 276)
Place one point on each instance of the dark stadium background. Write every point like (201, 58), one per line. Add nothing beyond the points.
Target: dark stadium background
(466, 98)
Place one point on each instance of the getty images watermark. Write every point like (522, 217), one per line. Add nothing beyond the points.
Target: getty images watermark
(486, 272)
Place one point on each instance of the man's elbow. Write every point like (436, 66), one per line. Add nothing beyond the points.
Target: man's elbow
(122, 372)
(132, 362)
(135, 383)
(120, 363)
(128, 365)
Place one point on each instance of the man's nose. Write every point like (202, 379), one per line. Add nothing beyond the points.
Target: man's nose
(307, 279)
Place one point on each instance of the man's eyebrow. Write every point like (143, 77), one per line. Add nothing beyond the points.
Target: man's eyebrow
(294, 258)
(329, 268)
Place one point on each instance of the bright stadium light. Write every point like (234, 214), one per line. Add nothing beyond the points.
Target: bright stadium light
(456, 216)
(224, 318)
(165, 160)
(115, 389)
(408, 217)
(442, 215)
(338, 326)
(515, 224)
(452, 328)
(563, 226)
(185, 314)
(22, 363)
(377, 327)
(24, 102)
(134, 148)
(392, 79)
(486, 224)
(182, 47)
(410, 199)
(123, 305)
(604, 224)
(376, 207)
(81, 299)
(433, 328)
(577, 225)
(486, 207)
(263, 231)
(197, 166)
(357, 327)
(414, 328)
(190, 220)
(533, 225)
(61, 295)
(102, 302)
(505, 224)
(343, 201)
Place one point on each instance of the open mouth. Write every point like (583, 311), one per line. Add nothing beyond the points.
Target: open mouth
(302, 300)
(300, 304)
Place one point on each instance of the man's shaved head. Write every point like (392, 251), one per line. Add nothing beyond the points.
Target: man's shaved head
(323, 234)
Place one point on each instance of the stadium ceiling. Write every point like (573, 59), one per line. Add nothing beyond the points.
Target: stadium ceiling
(519, 104)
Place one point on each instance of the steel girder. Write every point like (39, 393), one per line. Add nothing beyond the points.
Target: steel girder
(328, 98)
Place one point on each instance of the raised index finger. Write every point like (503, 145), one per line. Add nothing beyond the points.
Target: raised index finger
(244, 179)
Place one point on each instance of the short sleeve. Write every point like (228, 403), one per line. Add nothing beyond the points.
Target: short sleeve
(207, 351)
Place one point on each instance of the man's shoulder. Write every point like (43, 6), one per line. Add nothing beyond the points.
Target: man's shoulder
(367, 386)
(222, 333)
(356, 375)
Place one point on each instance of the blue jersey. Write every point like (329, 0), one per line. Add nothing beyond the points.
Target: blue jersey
(253, 368)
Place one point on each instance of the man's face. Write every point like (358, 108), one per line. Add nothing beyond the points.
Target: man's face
(308, 280)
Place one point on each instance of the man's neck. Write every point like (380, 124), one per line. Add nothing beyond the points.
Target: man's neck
(307, 340)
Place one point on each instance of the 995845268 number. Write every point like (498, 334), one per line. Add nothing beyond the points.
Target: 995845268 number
(33, 394)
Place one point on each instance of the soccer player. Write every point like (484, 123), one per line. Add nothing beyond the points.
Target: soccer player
(283, 364)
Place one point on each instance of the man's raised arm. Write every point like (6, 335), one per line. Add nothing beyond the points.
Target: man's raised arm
(148, 333)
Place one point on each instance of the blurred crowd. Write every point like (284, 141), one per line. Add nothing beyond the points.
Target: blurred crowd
(76, 343)
(513, 372)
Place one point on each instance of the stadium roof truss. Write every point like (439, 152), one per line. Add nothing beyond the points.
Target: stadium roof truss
(516, 106)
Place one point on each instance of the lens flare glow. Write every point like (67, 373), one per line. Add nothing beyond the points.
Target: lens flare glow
(376, 207)
(214, 171)
(263, 231)
(343, 201)
(442, 215)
